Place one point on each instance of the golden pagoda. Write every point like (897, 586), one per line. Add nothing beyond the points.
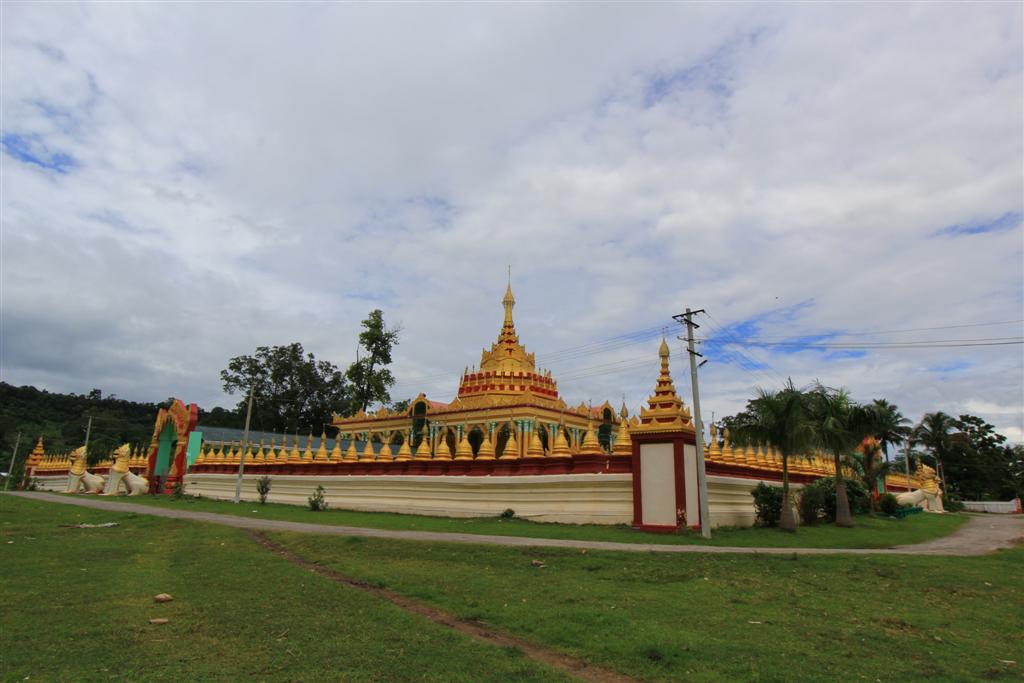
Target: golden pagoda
(506, 401)
(665, 411)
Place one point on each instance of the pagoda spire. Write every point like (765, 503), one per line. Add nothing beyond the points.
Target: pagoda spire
(508, 328)
(666, 411)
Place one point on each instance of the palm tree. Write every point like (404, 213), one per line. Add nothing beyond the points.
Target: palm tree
(839, 425)
(779, 419)
(937, 433)
(870, 467)
(889, 426)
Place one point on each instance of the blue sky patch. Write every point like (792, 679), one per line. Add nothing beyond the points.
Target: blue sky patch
(1008, 221)
(30, 149)
(949, 367)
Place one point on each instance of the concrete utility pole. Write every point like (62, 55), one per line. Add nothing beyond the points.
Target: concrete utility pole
(702, 478)
(245, 440)
(14, 458)
(906, 461)
(88, 431)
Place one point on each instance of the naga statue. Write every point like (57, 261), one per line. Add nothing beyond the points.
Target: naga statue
(929, 496)
(79, 478)
(120, 474)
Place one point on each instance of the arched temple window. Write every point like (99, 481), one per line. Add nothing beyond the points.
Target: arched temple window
(475, 438)
(419, 422)
(604, 432)
(499, 444)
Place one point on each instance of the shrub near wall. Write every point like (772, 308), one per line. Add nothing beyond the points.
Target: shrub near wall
(812, 503)
(860, 501)
(887, 504)
(767, 504)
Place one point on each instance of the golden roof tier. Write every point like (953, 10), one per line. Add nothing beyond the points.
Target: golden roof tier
(507, 394)
(507, 369)
(666, 412)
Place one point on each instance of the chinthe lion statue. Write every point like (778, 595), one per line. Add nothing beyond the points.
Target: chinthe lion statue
(134, 485)
(929, 496)
(79, 478)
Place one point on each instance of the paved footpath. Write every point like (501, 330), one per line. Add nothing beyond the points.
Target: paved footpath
(982, 534)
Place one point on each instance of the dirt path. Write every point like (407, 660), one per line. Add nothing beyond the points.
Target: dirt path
(476, 630)
(982, 534)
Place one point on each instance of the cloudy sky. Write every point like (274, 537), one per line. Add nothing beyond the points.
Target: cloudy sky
(185, 182)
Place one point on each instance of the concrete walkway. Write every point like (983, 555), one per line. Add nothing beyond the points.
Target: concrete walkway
(982, 534)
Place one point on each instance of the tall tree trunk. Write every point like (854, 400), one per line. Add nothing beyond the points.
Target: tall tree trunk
(366, 386)
(787, 522)
(843, 516)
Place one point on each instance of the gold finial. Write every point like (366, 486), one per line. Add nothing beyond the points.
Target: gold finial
(561, 448)
(590, 445)
(486, 450)
(511, 450)
(422, 451)
(321, 451)
(463, 451)
(536, 448)
(623, 443)
(404, 452)
(508, 302)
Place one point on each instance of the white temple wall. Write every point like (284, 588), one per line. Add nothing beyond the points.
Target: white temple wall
(566, 498)
(52, 482)
(571, 498)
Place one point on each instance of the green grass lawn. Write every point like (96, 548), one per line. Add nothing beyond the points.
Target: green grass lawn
(869, 532)
(77, 604)
(78, 600)
(710, 617)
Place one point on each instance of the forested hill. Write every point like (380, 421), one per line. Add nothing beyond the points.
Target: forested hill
(61, 418)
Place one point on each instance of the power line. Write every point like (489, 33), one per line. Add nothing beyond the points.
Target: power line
(918, 344)
(752, 364)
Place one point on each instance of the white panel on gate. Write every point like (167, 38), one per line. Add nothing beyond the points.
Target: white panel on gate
(690, 472)
(657, 484)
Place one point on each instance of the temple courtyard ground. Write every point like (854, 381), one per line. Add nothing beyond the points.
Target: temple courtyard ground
(323, 604)
(870, 532)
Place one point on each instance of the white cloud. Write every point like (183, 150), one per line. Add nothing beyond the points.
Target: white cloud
(270, 175)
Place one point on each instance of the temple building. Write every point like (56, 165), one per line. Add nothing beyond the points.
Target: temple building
(505, 441)
(505, 409)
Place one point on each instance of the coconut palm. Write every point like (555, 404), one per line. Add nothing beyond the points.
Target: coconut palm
(937, 432)
(889, 425)
(867, 462)
(779, 419)
(839, 425)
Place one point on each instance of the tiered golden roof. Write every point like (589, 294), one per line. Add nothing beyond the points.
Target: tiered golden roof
(666, 411)
(507, 383)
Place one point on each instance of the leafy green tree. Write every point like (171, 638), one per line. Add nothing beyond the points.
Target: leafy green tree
(780, 419)
(369, 375)
(292, 390)
(839, 424)
(979, 464)
(1015, 455)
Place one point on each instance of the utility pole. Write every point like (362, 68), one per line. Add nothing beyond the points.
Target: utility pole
(245, 440)
(702, 479)
(14, 458)
(88, 431)
(906, 462)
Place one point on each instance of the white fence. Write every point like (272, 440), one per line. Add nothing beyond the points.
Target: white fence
(994, 506)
